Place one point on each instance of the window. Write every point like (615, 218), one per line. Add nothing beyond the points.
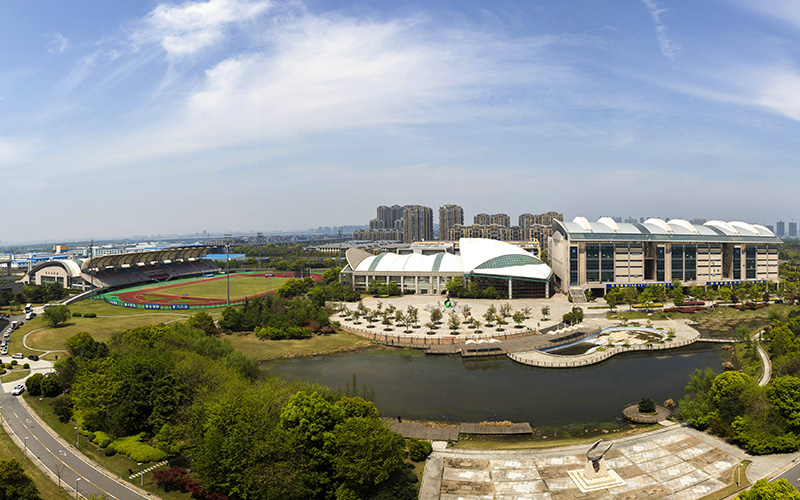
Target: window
(573, 265)
(592, 262)
(737, 263)
(690, 263)
(660, 264)
(677, 262)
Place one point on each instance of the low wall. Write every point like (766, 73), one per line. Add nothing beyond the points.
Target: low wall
(545, 360)
(406, 340)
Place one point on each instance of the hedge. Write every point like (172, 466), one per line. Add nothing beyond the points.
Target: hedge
(647, 306)
(102, 439)
(133, 447)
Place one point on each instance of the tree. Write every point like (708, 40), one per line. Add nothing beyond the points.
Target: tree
(34, 384)
(453, 322)
(387, 319)
(646, 405)
(14, 484)
(527, 312)
(431, 326)
(505, 310)
(784, 394)
(545, 312)
(519, 318)
(204, 322)
(403, 320)
(631, 295)
(490, 315)
(364, 452)
(467, 312)
(476, 324)
(56, 315)
(776, 490)
(611, 299)
(436, 315)
(413, 314)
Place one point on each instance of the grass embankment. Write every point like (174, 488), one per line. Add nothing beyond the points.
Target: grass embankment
(259, 349)
(118, 464)
(475, 442)
(15, 374)
(47, 488)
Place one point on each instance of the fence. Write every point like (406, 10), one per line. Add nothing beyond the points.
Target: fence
(558, 361)
(404, 340)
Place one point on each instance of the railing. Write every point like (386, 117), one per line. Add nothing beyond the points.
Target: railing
(559, 361)
(404, 339)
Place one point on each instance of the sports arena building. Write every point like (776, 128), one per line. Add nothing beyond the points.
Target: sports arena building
(608, 254)
(118, 270)
(483, 261)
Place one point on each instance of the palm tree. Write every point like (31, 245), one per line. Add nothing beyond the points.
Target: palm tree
(527, 312)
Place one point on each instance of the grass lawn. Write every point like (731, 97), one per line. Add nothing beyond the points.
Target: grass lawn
(47, 488)
(118, 464)
(259, 349)
(110, 319)
(751, 365)
(476, 442)
(13, 375)
(216, 288)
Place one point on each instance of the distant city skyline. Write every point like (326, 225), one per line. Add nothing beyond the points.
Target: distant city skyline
(166, 117)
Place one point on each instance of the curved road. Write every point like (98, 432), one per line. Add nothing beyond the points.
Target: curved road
(766, 375)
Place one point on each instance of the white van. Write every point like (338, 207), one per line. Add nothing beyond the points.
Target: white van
(14, 325)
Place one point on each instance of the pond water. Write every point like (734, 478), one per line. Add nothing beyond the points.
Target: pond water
(417, 386)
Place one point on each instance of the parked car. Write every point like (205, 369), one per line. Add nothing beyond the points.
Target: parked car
(33, 357)
(18, 355)
(18, 389)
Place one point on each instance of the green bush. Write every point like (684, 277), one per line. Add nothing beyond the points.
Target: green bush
(2, 370)
(137, 451)
(102, 439)
(90, 315)
(418, 450)
(13, 363)
(26, 366)
(646, 405)
(110, 451)
(77, 315)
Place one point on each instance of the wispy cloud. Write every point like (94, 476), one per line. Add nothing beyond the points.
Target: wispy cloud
(191, 27)
(668, 47)
(57, 43)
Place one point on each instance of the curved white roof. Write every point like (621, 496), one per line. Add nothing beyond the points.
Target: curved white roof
(72, 267)
(478, 256)
(657, 229)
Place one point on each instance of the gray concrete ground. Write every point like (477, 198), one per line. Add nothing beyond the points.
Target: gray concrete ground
(674, 462)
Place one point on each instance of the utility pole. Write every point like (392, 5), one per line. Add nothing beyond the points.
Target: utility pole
(227, 265)
(91, 270)
(259, 235)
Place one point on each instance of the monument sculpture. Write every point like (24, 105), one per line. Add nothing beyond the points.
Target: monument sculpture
(596, 475)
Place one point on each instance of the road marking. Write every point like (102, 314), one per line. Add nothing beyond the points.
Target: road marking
(57, 458)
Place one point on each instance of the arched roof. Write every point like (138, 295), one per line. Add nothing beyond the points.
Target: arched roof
(72, 267)
(150, 257)
(655, 229)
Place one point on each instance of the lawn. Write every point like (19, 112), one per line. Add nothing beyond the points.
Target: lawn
(110, 319)
(47, 488)
(13, 375)
(118, 464)
(259, 349)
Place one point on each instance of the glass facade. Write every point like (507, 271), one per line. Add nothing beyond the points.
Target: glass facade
(677, 262)
(737, 263)
(607, 262)
(573, 265)
(690, 263)
(592, 262)
(660, 264)
(750, 262)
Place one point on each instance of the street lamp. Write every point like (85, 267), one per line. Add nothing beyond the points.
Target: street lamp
(26, 447)
(78, 437)
(42, 400)
(227, 265)
(76, 487)
(141, 471)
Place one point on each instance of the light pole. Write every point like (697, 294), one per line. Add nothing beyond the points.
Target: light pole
(26, 447)
(42, 400)
(141, 471)
(259, 235)
(76, 487)
(78, 437)
(227, 265)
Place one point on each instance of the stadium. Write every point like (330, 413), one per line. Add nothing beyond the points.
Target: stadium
(169, 278)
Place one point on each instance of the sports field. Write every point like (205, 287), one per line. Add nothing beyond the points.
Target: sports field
(202, 292)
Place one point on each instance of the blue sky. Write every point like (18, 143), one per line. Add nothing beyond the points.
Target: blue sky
(121, 118)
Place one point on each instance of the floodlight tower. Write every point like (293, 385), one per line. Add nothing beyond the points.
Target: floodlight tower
(227, 265)
(259, 235)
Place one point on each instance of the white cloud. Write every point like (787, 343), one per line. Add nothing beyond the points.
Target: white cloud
(787, 11)
(57, 43)
(665, 44)
(191, 27)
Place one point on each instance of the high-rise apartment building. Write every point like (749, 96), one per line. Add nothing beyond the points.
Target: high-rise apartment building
(499, 219)
(792, 230)
(377, 224)
(449, 216)
(538, 227)
(780, 229)
(417, 223)
(390, 215)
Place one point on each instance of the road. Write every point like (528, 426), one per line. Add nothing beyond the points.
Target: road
(792, 475)
(57, 457)
(766, 376)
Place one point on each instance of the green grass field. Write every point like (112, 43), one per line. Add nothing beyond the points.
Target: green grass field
(242, 285)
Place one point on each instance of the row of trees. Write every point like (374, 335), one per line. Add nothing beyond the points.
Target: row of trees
(457, 288)
(34, 294)
(185, 392)
(677, 293)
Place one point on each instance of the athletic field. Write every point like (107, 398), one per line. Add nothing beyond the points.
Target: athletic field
(200, 292)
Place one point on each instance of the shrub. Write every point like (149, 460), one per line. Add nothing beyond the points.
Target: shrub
(172, 479)
(646, 405)
(133, 447)
(13, 362)
(77, 315)
(50, 386)
(62, 408)
(110, 451)
(90, 315)
(418, 450)
(102, 439)
(26, 366)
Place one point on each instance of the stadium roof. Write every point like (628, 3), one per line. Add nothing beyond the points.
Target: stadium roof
(72, 267)
(653, 229)
(131, 259)
(479, 256)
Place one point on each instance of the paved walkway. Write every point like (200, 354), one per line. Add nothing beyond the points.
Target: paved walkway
(675, 462)
(766, 373)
